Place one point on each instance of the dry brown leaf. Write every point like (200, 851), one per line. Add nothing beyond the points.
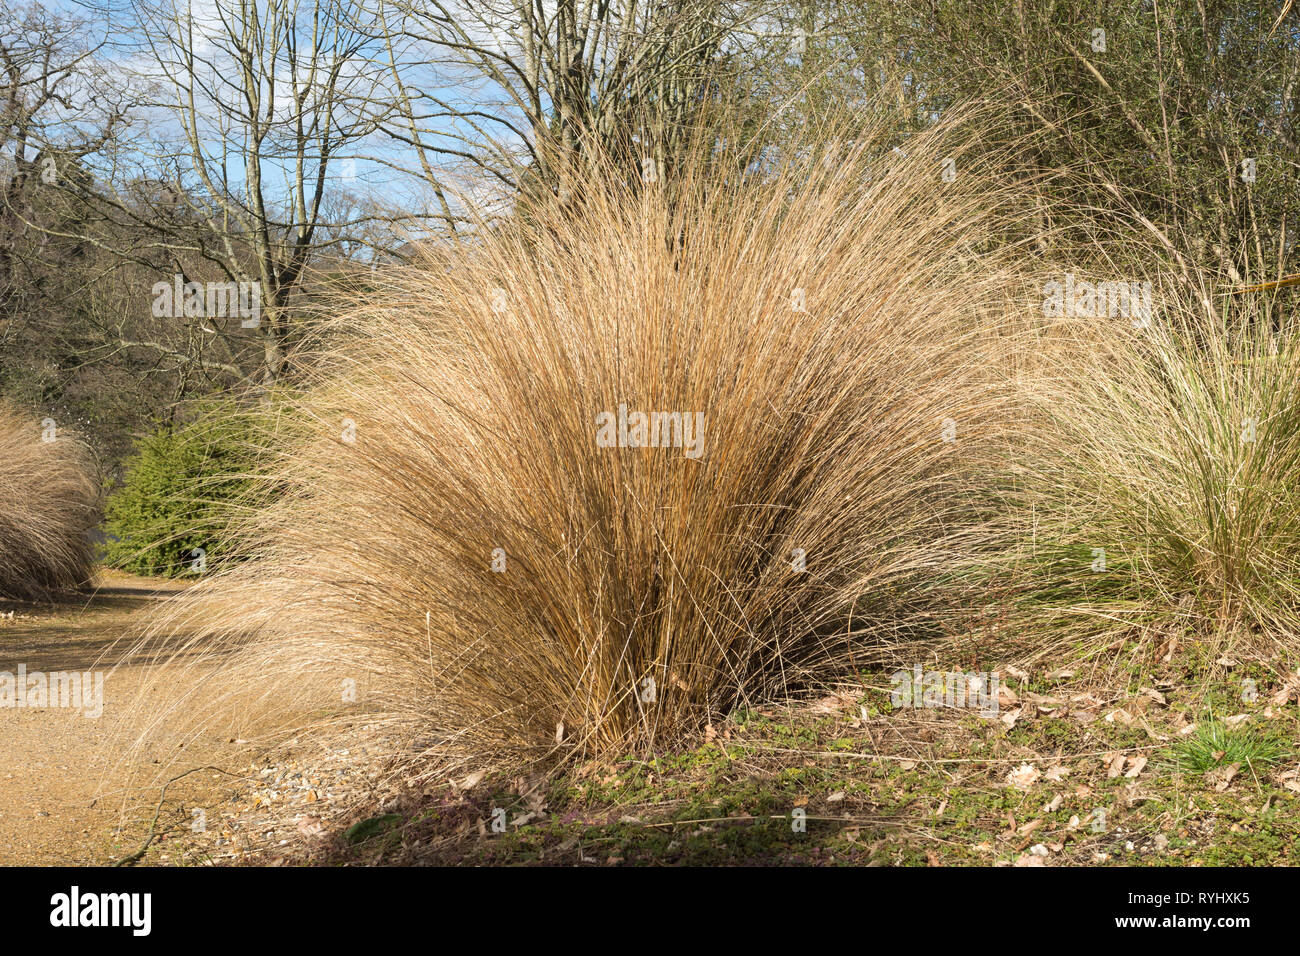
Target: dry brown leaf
(1023, 777)
(1166, 650)
(1037, 856)
(1221, 777)
(835, 703)
(470, 782)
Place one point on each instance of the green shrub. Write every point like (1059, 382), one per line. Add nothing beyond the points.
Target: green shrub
(182, 489)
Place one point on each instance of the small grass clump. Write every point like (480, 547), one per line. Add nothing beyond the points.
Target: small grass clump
(1215, 744)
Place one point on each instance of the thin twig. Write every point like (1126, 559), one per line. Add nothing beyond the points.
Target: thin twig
(153, 824)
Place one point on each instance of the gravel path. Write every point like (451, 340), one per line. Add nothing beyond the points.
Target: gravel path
(53, 759)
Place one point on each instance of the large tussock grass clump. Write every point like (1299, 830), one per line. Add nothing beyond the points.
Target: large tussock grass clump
(460, 541)
(49, 496)
(1164, 485)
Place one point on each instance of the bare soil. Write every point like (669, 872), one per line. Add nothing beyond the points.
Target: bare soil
(57, 805)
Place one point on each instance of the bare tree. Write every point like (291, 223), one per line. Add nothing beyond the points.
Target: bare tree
(506, 91)
(257, 108)
(53, 111)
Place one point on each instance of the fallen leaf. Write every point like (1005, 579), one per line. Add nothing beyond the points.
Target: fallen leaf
(835, 703)
(1222, 776)
(1287, 691)
(1037, 856)
(1166, 650)
(1023, 777)
(470, 782)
